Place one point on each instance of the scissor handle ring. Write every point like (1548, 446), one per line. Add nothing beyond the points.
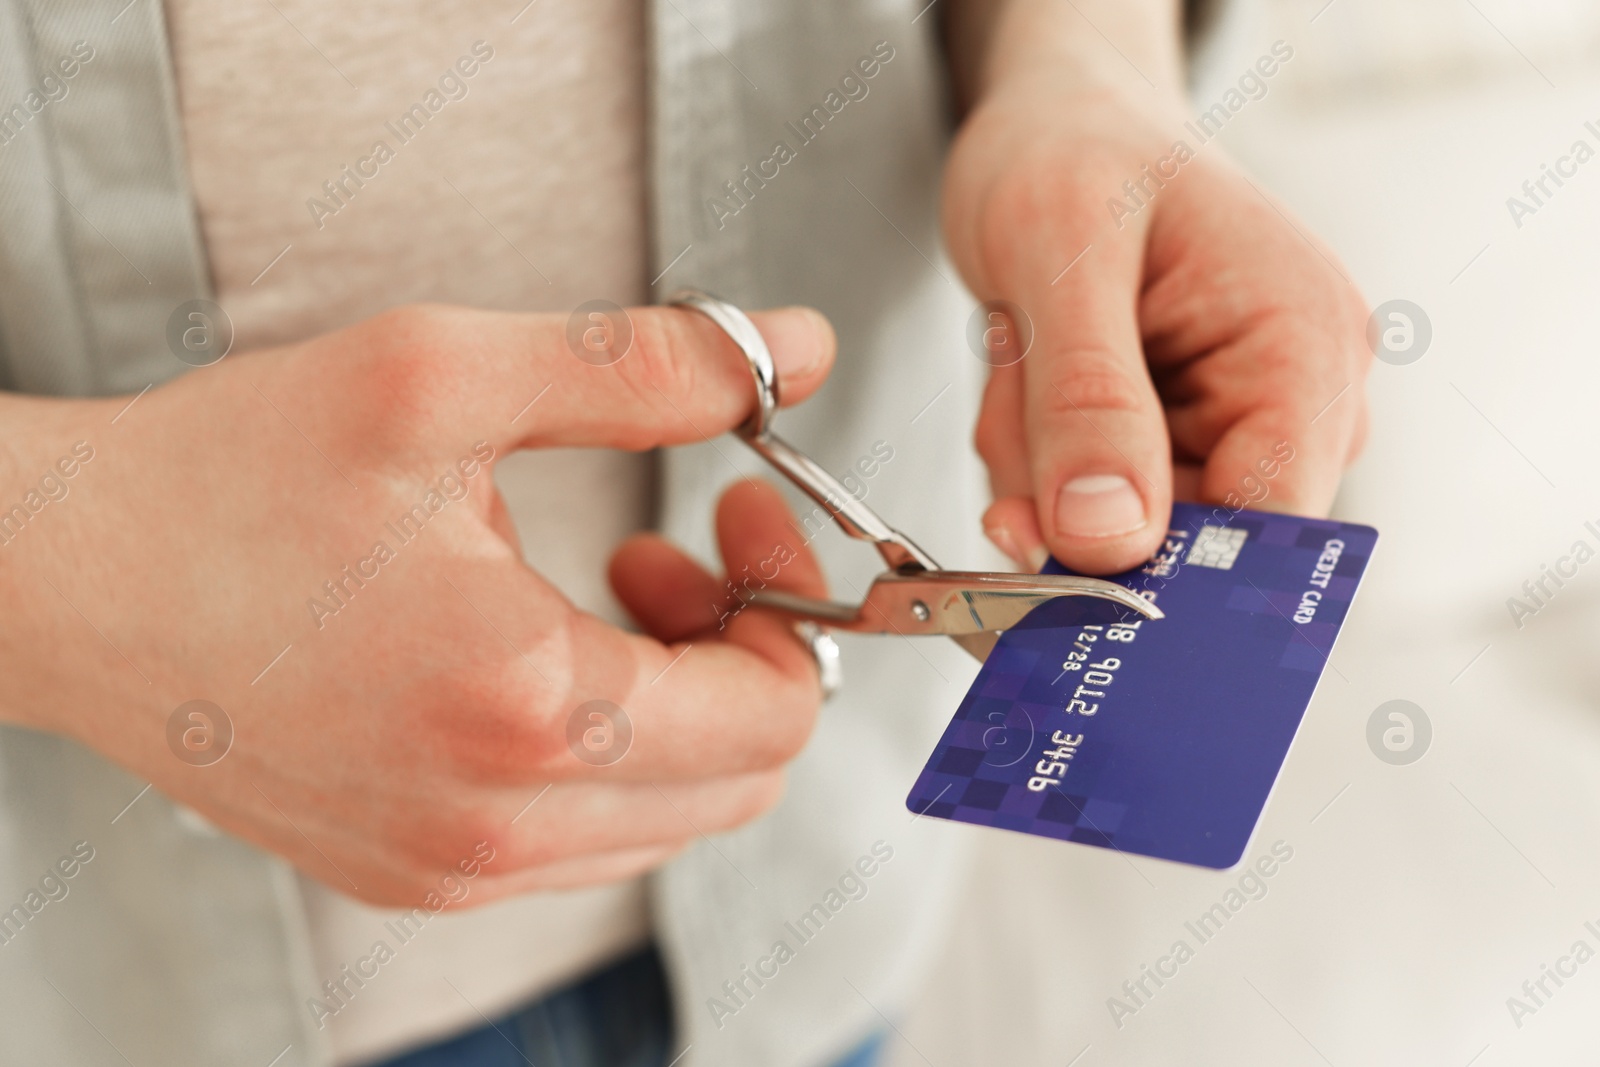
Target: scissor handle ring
(737, 325)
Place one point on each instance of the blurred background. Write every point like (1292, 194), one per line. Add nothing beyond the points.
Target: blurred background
(1421, 895)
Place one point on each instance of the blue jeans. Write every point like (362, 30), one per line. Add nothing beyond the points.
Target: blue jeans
(618, 1017)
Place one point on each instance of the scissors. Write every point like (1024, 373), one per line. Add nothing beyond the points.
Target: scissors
(915, 596)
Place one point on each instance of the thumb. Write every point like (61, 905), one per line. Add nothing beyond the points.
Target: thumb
(682, 380)
(1099, 455)
(519, 381)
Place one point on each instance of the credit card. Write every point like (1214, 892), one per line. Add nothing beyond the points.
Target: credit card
(1158, 737)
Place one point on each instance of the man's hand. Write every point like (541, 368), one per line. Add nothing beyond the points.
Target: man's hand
(1199, 337)
(394, 707)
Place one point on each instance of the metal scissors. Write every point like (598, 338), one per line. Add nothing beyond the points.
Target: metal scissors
(915, 596)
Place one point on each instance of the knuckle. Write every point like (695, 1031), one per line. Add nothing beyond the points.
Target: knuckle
(1303, 358)
(661, 368)
(1094, 381)
(496, 726)
(1281, 367)
(990, 435)
(456, 844)
(402, 362)
(408, 331)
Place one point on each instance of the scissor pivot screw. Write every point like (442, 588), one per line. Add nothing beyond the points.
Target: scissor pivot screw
(920, 610)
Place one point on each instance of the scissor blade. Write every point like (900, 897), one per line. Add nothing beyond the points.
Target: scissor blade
(976, 602)
(974, 609)
(997, 607)
(960, 604)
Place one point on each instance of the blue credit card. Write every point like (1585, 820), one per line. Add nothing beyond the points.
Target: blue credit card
(1156, 737)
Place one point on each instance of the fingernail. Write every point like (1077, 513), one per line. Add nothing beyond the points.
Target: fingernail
(1099, 505)
(1037, 557)
(1005, 542)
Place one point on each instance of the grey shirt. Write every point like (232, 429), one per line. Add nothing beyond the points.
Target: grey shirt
(179, 946)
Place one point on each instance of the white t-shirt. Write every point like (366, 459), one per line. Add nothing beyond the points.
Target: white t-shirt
(519, 186)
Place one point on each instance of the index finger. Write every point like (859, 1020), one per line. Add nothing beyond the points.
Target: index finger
(1288, 454)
